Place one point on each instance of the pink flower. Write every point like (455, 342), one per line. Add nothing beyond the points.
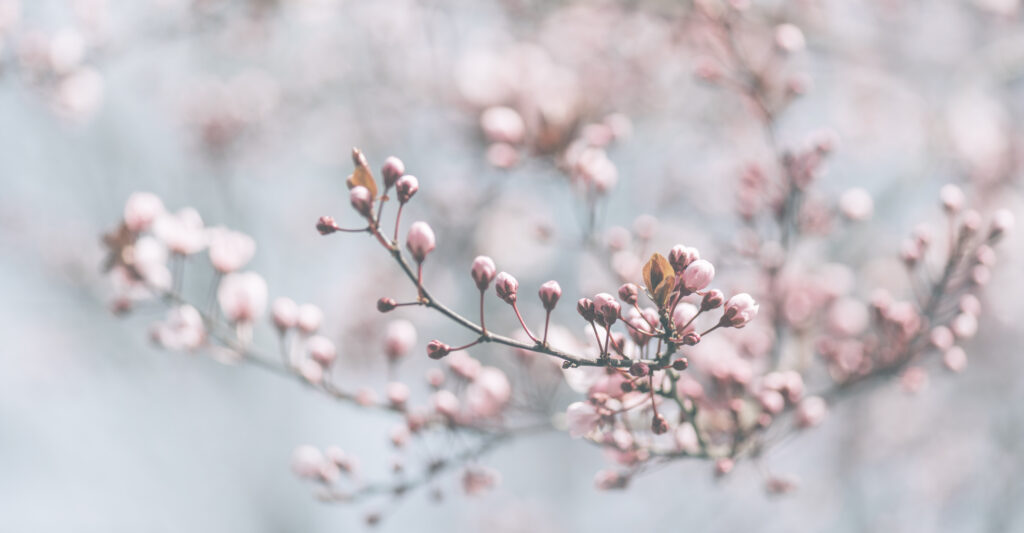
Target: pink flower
(322, 350)
(478, 479)
(581, 418)
(629, 293)
(965, 325)
(398, 393)
(952, 198)
(182, 232)
(183, 329)
(682, 315)
(437, 349)
(307, 461)
(1002, 222)
(856, 204)
(550, 292)
(399, 338)
(230, 250)
(141, 209)
(698, 275)
(941, 337)
(955, 359)
(503, 124)
(681, 256)
(811, 412)
(609, 480)
(489, 393)
(311, 371)
(420, 240)
(310, 317)
(739, 310)
(445, 403)
(506, 286)
(483, 272)
(285, 313)
(242, 296)
(464, 364)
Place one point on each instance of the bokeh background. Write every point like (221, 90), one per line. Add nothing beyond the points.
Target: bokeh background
(247, 110)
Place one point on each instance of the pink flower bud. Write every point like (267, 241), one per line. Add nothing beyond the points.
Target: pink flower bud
(585, 307)
(681, 256)
(311, 371)
(789, 38)
(230, 250)
(659, 425)
(506, 286)
(310, 318)
(698, 275)
(856, 204)
(242, 296)
(581, 418)
(420, 240)
(610, 480)
(306, 461)
(326, 225)
(399, 339)
(503, 124)
(1002, 222)
(772, 401)
(550, 292)
(952, 198)
(942, 338)
(406, 186)
(723, 466)
(483, 272)
(739, 310)
(437, 349)
(955, 359)
(682, 315)
(322, 350)
(435, 377)
(606, 308)
(811, 412)
(713, 299)
(386, 305)
(629, 293)
(398, 393)
(362, 201)
(445, 403)
(399, 436)
(639, 369)
(392, 170)
(141, 209)
(285, 313)
(682, 363)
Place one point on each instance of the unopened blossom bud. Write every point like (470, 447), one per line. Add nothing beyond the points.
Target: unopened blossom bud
(420, 240)
(941, 337)
(811, 411)
(311, 371)
(971, 222)
(399, 339)
(322, 350)
(629, 293)
(445, 403)
(585, 307)
(723, 466)
(698, 275)
(639, 369)
(952, 198)
(680, 364)
(242, 296)
(483, 272)
(691, 338)
(230, 250)
(406, 187)
(856, 204)
(713, 299)
(141, 209)
(1002, 222)
(361, 200)
(385, 305)
(310, 318)
(285, 313)
(392, 170)
(739, 310)
(610, 480)
(550, 292)
(681, 256)
(398, 393)
(789, 38)
(507, 287)
(306, 461)
(659, 425)
(326, 225)
(435, 377)
(682, 317)
(437, 349)
(606, 308)
(955, 359)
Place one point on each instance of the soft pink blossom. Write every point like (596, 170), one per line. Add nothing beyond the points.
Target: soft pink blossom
(242, 296)
(230, 250)
(581, 418)
(420, 240)
(698, 275)
(141, 209)
(182, 232)
(399, 338)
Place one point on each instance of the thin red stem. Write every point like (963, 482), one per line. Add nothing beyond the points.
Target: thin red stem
(515, 307)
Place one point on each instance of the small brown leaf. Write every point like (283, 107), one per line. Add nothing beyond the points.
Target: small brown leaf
(361, 176)
(659, 278)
